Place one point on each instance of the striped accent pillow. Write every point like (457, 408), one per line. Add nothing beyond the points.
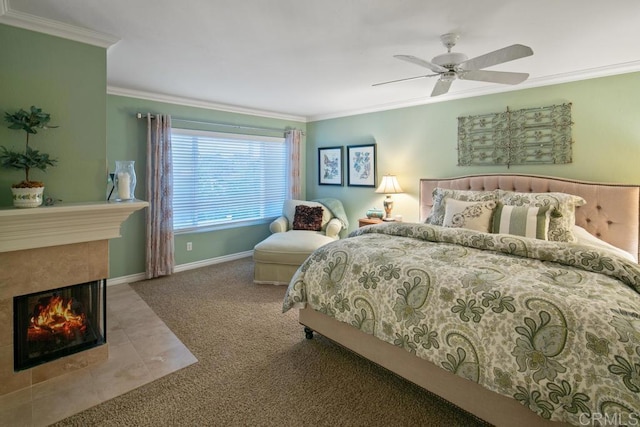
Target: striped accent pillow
(527, 221)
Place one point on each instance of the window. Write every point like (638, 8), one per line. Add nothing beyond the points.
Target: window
(222, 180)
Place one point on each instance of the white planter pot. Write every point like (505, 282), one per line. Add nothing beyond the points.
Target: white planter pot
(27, 197)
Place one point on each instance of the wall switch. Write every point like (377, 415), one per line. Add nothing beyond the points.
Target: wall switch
(189, 246)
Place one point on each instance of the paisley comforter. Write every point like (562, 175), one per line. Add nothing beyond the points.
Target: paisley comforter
(553, 325)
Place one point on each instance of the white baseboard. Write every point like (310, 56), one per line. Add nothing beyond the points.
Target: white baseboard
(211, 261)
(125, 279)
(182, 267)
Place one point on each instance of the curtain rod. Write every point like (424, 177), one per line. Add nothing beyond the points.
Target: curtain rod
(144, 116)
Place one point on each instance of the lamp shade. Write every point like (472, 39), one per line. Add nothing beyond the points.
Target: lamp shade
(389, 185)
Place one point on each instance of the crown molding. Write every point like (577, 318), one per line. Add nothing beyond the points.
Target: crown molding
(625, 68)
(35, 23)
(27, 21)
(189, 102)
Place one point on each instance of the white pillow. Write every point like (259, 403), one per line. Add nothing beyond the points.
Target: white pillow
(586, 238)
(469, 215)
(436, 217)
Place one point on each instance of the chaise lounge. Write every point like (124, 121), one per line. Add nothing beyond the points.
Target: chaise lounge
(303, 227)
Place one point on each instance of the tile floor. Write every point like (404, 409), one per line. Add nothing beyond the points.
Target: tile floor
(141, 349)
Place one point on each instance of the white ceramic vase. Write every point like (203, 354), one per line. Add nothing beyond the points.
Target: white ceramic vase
(27, 197)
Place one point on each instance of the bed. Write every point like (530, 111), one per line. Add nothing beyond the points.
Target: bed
(516, 330)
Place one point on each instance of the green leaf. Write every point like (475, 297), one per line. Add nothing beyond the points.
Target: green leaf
(28, 121)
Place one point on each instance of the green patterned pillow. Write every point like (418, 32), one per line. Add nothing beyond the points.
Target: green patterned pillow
(563, 207)
(470, 215)
(524, 221)
(436, 216)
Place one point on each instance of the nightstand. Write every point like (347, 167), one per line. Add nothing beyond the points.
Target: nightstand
(368, 221)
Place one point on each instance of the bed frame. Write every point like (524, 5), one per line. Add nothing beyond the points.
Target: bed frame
(612, 213)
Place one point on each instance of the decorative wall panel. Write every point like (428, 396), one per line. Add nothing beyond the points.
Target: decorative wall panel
(539, 135)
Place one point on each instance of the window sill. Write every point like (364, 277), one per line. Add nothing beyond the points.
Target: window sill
(223, 226)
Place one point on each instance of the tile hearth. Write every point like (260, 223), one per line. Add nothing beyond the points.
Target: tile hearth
(141, 349)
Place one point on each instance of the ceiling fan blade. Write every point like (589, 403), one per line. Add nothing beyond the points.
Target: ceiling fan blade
(503, 77)
(499, 56)
(404, 80)
(441, 87)
(422, 63)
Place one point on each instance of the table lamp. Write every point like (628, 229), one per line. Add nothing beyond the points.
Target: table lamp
(389, 185)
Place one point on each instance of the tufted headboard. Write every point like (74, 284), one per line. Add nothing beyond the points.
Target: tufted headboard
(612, 211)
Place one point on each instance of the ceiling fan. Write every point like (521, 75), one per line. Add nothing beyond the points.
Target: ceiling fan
(452, 65)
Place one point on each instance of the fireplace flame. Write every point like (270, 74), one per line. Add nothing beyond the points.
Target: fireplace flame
(55, 319)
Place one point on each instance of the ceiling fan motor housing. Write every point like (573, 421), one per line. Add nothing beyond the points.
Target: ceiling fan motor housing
(449, 60)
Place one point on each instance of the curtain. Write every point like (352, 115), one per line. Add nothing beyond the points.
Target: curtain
(160, 259)
(292, 139)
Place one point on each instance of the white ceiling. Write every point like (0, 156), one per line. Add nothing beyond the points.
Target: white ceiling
(318, 59)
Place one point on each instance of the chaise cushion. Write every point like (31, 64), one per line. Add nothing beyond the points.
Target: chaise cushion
(292, 247)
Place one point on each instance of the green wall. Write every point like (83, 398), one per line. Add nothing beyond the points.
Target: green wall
(126, 140)
(68, 80)
(420, 142)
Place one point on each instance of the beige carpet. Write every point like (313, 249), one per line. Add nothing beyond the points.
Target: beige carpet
(255, 368)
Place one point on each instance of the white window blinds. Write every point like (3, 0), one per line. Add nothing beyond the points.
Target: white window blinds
(222, 179)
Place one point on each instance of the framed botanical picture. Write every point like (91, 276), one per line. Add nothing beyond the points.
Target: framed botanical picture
(330, 166)
(361, 169)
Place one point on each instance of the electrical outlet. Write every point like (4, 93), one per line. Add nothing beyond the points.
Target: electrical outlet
(189, 246)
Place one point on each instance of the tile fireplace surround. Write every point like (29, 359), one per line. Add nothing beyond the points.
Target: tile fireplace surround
(47, 248)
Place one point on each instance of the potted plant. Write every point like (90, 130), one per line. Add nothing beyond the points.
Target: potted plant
(27, 194)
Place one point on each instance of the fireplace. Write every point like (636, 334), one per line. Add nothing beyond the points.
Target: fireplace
(47, 248)
(55, 323)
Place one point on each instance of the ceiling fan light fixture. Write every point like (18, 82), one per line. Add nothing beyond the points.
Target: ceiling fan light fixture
(448, 77)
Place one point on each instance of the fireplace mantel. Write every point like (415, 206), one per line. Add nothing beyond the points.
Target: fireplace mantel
(63, 224)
